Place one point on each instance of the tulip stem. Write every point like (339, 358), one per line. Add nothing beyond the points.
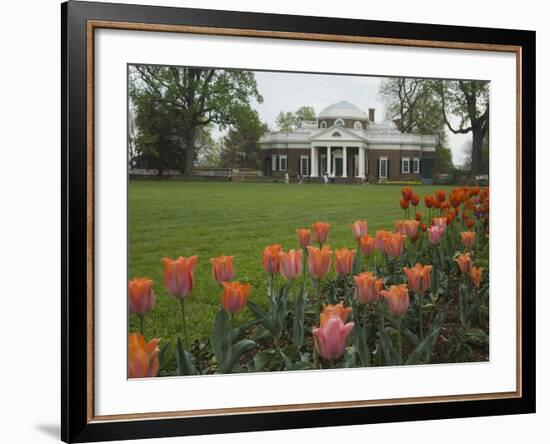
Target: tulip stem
(317, 293)
(399, 344)
(141, 329)
(182, 301)
(419, 300)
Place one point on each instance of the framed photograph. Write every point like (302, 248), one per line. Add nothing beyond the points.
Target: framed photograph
(276, 221)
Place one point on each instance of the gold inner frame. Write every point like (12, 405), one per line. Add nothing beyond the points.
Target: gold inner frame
(92, 25)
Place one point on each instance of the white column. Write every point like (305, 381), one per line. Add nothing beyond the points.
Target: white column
(361, 162)
(313, 163)
(345, 162)
(329, 162)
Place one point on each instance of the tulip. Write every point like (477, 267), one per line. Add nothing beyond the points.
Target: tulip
(407, 193)
(440, 221)
(380, 239)
(418, 216)
(178, 275)
(449, 218)
(407, 227)
(143, 361)
(393, 244)
(368, 288)
(464, 262)
(455, 199)
(474, 191)
(343, 261)
(419, 277)
(222, 268)
(304, 236)
(415, 199)
(141, 297)
(428, 201)
(318, 261)
(470, 223)
(468, 238)
(404, 203)
(330, 338)
(321, 231)
(234, 296)
(440, 195)
(476, 274)
(397, 297)
(359, 228)
(178, 278)
(434, 234)
(270, 258)
(424, 227)
(366, 245)
(290, 264)
(335, 310)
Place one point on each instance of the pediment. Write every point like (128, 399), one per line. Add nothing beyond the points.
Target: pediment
(335, 133)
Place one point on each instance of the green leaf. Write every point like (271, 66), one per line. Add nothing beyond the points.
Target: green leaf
(185, 361)
(238, 331)
(356, 266)
(426, 345)
(260, 314)
(391, 357)
(301, 365)
(220, 335)
(263, 358)
(476, 336)
(298, 327)
(235, 353)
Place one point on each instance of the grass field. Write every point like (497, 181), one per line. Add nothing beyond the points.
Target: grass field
(175, 218)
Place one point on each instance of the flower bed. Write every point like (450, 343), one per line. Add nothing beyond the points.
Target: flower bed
(416, 295)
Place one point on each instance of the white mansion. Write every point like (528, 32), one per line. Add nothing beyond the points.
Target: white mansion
(347, 144)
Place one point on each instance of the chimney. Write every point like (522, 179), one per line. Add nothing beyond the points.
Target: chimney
(371, 114)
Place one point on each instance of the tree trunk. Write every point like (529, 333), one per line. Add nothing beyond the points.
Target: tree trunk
(477, 146)
(189, 151)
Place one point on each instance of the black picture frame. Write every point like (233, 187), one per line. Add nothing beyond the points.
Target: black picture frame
(76, 423)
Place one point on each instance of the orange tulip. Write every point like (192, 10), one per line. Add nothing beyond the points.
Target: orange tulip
(441, 222)
(419, 277)
(407, 193)
(359, 228)
(440, 195)
(397, 297)
(304, 236)
(476, 274)
(290, 264)
(468, 238)
(368, 288)
(366, 245)
(143, 361)
(449, 218)
(270, 258)
(222, 268)
(318, 261)
(178, 275)
(404, 204)
(380, 238)
(393, 244)
(464, 262)
(141, 297)
(234, 296)
(474, 191)
(407, 227)
(415, 199)
(343, 260)
(321, 231)
(335, 310)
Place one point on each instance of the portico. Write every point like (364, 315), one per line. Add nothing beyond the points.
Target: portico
(334, 160)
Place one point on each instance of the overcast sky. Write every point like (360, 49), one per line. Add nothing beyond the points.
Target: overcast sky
(290, 91)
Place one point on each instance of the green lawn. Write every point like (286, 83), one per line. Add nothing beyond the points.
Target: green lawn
(176, 218)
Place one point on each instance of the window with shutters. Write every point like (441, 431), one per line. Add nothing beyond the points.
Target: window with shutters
(405, 165)
(383, 168)
(304, 166)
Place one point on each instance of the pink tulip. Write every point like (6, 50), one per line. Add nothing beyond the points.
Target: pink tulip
(290, 264)
(359, 228)
(330, 339)
(178, 275)
(435, 232)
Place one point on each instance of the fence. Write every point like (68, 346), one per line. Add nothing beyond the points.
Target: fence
(213, 173)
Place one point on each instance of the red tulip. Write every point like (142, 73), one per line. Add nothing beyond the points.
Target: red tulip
(178, 275)
(440, 195)
(428, 201)
(407, 193)
(415, 199)
(418, 216)
(404, 203)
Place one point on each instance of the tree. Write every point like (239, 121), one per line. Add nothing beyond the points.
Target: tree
(191, 98)
(240, 147)
(286, 121)
(468, 149)
(468, 100)
(415, 107)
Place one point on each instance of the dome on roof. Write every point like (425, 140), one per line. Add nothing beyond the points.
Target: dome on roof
(344, 110)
